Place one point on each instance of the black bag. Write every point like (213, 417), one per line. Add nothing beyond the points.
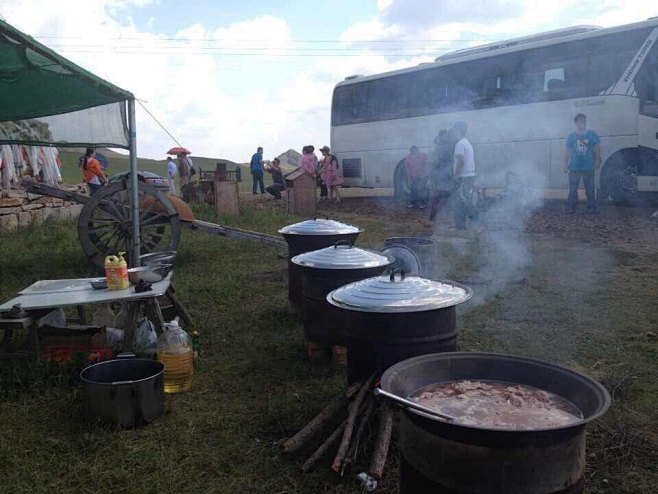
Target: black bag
(192, 171)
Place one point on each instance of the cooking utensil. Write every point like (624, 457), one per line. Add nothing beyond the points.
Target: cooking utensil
(126, 391)
(410, 404)
(150, 273)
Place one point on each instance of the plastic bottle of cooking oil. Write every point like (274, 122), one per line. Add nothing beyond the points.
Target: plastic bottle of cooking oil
(116, 272)
(176, 353)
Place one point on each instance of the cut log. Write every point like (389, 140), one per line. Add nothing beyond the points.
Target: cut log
(335, 407)
(336, 466)
(383, 441)
(324, 447)
(364, 414)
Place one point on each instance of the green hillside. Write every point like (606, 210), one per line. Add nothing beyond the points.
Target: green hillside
(120, 163)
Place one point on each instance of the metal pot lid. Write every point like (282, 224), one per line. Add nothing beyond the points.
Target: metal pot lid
(319, 226)
(405, 259)
(342, 255)
(398, 293)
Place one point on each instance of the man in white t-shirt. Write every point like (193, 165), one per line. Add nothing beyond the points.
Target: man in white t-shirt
(171, 175)
(464, 173)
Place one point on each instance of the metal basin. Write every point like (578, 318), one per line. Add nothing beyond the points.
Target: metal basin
(126, 392)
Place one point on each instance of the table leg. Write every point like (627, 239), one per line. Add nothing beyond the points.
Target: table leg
(82, 314)
(180, 308)
(131, 325)
(156, 314)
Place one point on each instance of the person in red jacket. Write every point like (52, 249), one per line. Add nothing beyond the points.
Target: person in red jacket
(416, 164)
(94, 175)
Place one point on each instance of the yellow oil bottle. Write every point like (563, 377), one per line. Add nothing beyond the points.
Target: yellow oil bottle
(175, 351)
(116, 272)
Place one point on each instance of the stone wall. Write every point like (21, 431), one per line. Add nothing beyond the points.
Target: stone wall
(20, 209)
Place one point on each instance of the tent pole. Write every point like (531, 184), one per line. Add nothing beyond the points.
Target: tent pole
(132, 142)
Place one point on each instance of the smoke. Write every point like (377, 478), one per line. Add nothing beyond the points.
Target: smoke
(496, 252)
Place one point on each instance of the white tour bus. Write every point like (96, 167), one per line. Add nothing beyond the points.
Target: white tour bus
(519, 99)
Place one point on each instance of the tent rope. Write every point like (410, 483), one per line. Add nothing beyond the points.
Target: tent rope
(159, 123)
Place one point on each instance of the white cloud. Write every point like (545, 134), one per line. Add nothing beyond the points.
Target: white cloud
(226, 106)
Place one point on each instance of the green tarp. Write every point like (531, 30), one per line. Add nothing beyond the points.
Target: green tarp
(36, 82)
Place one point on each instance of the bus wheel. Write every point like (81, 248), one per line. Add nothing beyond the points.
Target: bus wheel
(619, 178)
(400, 186)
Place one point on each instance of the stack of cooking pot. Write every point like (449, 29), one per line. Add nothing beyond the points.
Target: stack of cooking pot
(393, 317)
(307, 236)
(325, 270)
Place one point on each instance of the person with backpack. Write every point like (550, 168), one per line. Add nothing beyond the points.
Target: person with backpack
(185, 169)
(329, 172)
(93, 173)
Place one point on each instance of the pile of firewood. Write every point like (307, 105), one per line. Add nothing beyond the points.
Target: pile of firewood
(355, 411)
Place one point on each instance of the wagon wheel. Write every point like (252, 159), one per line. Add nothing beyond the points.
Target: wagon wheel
(105, 225)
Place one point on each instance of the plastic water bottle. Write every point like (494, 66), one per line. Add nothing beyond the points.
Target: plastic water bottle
(176, 353)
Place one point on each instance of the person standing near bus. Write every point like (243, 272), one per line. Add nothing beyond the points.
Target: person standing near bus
(581, 160)
(256, 168)
(330, 175)
(441, 164)
(464, 173)
(416, 167)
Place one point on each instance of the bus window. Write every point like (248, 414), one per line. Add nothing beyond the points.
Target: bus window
(428, 91)
(350, 104)
(553, 78)
(388, 98)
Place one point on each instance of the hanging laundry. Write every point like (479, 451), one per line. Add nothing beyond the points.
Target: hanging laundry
(19, 162)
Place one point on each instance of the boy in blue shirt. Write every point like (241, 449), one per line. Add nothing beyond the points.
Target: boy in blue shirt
(581, 160)
(256, 168)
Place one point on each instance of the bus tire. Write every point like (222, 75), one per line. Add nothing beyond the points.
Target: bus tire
(400, 188)
(618, 177)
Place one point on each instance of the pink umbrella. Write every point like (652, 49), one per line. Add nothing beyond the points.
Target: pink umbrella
(179, 150)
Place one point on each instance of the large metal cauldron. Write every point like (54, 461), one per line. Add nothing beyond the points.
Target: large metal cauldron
(307, 236)
(125, 391)
(444, 457)
(394, 317)
(325, 270)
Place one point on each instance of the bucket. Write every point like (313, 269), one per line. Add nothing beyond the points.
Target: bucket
(425, 250)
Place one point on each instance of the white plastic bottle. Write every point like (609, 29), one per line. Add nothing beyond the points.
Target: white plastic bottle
(176, 353)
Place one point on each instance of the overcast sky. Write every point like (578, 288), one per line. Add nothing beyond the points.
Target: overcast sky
(225, 76)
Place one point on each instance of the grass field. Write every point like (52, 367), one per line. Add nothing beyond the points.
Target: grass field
(587, 303)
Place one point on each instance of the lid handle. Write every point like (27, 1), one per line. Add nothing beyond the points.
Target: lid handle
(395, 271)
(320, 216)
(343, 243)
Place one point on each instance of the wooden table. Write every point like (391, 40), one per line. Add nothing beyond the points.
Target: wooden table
(42, 297)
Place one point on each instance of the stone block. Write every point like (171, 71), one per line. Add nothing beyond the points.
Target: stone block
(46, 213)
(24, 219)
(57, 201)
(30, 207)
(46, 201)
(4, 211)
(7, 202)
(9, 222)
(37, 216)
(33, 197)
(75, 210)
